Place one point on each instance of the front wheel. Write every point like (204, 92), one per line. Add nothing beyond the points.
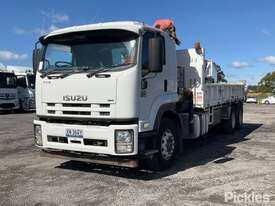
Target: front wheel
(167, 145)
(267, 102)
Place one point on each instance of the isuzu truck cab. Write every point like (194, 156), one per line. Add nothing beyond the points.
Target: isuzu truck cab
(117, 93)
(8, 92)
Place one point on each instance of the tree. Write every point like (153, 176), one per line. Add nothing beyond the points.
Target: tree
(267, 83)
(220, 74)
(252, 88)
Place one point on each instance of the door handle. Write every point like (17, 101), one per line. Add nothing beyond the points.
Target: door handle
(144, 84)
(165, 85)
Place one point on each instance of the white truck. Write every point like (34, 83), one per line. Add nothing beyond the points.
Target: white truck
(8, 92)
(119, 93)
(26, 90)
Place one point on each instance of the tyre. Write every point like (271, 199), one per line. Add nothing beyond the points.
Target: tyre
(267, 102)
(239, 116)
(229, 125)
(167, 145)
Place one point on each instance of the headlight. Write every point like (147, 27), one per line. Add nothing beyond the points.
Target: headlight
(38, 135)
(124, 141)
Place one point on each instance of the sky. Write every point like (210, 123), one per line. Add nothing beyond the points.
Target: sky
(237, 34)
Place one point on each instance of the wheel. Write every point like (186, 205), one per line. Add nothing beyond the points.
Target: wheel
(230, 124)
(267, 102)
(239, 116)
(167, 145)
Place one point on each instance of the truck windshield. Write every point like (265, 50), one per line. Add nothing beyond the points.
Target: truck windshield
(90, 50)
(7, 80)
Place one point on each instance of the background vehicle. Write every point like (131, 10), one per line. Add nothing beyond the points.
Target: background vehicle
(8, 93)
(26, 90)
(251, 100)
(269, 100)
(115, 93)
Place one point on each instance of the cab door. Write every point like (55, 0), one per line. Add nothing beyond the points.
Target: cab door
(155, 87)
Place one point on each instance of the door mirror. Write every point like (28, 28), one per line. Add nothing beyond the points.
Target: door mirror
(155, 55)
(36, 57)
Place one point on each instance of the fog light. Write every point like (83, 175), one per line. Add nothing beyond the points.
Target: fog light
(38, 135)
(124, 141)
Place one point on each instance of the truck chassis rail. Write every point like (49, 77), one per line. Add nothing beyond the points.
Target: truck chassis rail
(91, 158)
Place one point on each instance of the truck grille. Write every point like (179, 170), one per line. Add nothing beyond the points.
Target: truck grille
(79, 109)
(76, 113)
(77, 105)
(7, 96)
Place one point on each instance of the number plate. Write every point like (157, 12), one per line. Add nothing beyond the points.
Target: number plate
(74, 133)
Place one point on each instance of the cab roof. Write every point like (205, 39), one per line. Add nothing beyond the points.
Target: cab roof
(132, 26)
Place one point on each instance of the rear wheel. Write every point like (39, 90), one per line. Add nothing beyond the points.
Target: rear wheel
(239, 117)
(167, 145)
(267, 102)
(230, 124)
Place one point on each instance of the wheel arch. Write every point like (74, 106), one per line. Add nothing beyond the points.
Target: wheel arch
(167, 111)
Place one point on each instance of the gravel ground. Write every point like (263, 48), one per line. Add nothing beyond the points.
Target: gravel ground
(209, 168)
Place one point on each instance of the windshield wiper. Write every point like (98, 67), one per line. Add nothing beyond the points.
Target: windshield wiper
(75, 71)
(120, 65)
(106, 69)
(45, 74)
(91, 74)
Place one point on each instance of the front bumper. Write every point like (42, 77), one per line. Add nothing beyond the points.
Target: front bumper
(91, 158)
(6, 105)
(90, 132)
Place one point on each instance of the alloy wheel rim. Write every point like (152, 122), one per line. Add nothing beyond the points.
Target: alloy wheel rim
(167, 144)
